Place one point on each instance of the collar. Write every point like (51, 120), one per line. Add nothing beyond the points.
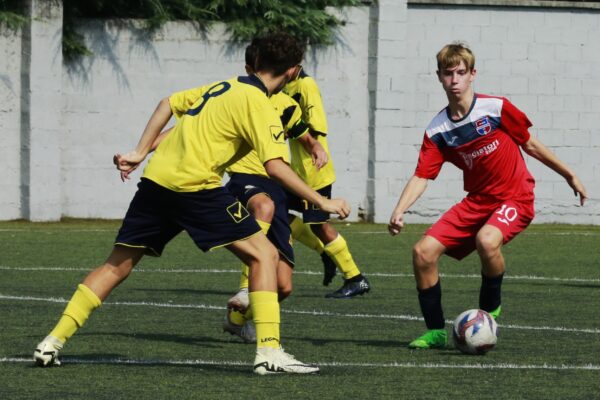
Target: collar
(255, 81)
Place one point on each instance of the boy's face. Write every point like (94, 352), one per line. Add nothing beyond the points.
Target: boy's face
(456, 80)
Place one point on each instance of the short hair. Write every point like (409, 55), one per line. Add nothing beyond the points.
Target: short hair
(251, 54)
(277, 52)
(452, 54)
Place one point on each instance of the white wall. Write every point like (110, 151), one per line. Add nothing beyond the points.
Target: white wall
(378, 86)
(109, 97)
(545, 61)
(10, 127)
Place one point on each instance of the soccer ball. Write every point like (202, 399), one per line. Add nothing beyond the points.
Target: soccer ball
(475, 332)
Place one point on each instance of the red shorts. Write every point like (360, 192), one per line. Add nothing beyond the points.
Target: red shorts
(458, 227)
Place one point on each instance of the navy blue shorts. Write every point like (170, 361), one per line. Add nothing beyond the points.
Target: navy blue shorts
(245, 186)
(212, 218)
(311, 213)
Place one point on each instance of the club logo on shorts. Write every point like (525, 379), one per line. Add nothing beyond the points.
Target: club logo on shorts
(483, 126)
(237, 212)
(277, 134)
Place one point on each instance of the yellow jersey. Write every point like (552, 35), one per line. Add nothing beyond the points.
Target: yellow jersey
(291, 119)
(217, 124)
(305, 91)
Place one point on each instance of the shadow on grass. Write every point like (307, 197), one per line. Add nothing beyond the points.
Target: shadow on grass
(113, 360)
(563, 284)
(202, 341)
(196, 292)
(582, 286)
(348, 342)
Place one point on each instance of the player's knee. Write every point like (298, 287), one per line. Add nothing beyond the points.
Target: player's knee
(263, 210)
(423, 256)
(283, 291)
(488, 243)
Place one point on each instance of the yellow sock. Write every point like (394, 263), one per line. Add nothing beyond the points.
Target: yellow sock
(302, 233)
(81, 305)
(265, 309)
(339, 253)
(244, 277)
(264, 227)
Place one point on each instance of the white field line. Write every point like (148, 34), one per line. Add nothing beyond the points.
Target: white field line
(128, 361)
(316, 313)
(383, 231)
(580, 233)
(298, 272)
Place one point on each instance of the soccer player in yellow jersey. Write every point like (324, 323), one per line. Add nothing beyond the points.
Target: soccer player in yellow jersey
(181, 189)
(314, 231)
(267, 202)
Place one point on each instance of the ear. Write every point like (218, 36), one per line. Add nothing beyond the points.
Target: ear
(473, 73)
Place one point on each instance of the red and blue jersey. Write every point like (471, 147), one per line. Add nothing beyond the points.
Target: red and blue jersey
(484, 144)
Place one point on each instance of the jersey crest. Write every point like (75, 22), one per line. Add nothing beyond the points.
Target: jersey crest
(483, 126)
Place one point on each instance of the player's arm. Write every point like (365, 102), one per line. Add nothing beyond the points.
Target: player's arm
(411, 193)
(314, 148)
(157, 141)
(159, 118)
(539, 151)
(280, 172)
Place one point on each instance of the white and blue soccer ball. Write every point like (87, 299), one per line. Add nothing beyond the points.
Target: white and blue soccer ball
(475, 332)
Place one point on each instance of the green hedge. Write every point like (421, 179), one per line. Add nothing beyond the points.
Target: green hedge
(309, 20)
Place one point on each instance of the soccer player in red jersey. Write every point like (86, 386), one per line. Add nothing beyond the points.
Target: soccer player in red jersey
(481, 135)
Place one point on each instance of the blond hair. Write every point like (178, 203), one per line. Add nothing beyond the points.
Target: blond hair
(452, 54)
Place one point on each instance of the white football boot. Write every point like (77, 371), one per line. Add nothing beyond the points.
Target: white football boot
(276, 361)
(46, 352)
(240, 301)
(246, 332)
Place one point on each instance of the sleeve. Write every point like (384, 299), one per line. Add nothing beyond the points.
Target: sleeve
(430, 161)
(291, 118)
(312, 106)
(265, 133)
(182, 101)
(515, 122)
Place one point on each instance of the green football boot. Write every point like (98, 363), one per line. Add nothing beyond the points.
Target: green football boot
(496, 313)
(432, 339)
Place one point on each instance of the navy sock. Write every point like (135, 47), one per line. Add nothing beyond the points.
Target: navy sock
(490, 294)
(430, 300)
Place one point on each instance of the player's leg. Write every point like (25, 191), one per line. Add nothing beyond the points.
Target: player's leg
(337, 248)
(262, 207)
(262, 258)
(244, 327)
(506, 221)
(426, 253)
(144, 229)
(304, 234)
(88, 296)
(489, 242)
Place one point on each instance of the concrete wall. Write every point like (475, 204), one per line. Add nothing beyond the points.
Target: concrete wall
(10, 124)
(109, 97)
(378, 86)
(544, 60)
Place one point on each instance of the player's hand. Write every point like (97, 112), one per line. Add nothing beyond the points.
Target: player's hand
(336, 206)
(127, 163)
(396, 223)
(319, 155)
(578, 189)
